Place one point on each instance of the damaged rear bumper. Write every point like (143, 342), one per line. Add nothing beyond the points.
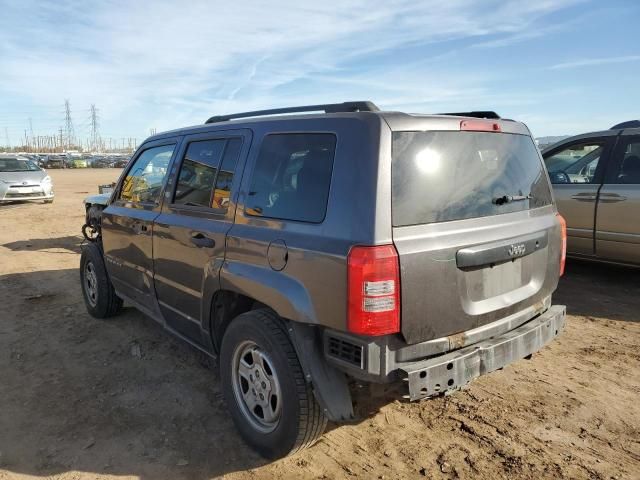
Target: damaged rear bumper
(438, 365)
(451, 371)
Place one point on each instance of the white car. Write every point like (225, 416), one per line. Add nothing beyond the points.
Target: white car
(23, 179)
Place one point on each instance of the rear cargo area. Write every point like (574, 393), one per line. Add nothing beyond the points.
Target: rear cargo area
(475, 230)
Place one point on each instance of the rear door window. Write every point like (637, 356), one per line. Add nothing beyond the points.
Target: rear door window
(206, 174)
(198, 173)
(292, 176)
(222, 191)
(444, 176)
(629, 172)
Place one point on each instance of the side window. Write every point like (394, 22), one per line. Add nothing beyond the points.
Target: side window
(630, 166)
(292, 176)
(222, 192)
(575, 164)
(198, 173)
(145, 178)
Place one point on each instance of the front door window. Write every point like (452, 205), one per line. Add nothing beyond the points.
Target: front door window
(146, 176)
(575, 164)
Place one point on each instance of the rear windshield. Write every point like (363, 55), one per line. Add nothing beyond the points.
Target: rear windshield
(444, 176)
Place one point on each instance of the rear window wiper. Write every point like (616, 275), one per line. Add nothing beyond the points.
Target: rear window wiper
(511, 198)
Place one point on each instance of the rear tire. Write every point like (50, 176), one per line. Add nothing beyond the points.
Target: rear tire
(97, 291)
(291, 419)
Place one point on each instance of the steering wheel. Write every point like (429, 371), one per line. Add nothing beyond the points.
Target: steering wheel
(560, 176)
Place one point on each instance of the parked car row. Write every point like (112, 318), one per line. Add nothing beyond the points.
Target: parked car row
(107, 161)
(75, 161)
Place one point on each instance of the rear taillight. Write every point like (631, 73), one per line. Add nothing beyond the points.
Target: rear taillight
(563, 253)
(373, 290)
(480, 126)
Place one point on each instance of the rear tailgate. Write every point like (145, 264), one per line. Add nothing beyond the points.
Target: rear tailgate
(475, 229)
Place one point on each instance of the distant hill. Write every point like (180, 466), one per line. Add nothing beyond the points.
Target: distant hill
(546, 141)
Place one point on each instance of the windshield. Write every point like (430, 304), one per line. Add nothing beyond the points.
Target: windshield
(444, 176)
(17, 165)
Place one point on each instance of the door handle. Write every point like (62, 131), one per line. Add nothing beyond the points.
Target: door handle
(202, 241)
(139, 228)
(584, 197)
(611, 198)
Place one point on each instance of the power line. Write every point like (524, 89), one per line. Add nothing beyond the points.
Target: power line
(63, 138)
(95, 135)
(68, 124)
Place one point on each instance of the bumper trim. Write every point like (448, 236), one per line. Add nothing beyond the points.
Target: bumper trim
(26, 198)
(434, 376)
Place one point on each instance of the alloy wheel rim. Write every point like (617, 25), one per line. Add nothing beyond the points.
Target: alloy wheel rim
(91, 284)
(256, 387)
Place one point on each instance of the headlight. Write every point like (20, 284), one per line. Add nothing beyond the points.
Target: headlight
(46, 179)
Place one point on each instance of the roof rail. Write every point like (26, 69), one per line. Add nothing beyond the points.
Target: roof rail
(628, 124)
(479, 114)
(364, 106)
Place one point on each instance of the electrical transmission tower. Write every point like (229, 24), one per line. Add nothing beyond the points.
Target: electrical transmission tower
(6, 136)
(68, 124)
(95, 135)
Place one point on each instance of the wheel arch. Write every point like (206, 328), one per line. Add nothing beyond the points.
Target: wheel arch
(330, 386)
(284, 294)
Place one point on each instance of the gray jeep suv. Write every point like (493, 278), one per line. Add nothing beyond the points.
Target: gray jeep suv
(309, 251)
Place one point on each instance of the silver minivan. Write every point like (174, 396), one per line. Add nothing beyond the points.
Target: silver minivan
(596, 181)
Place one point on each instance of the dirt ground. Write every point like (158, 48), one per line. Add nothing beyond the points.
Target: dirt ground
(81, 398)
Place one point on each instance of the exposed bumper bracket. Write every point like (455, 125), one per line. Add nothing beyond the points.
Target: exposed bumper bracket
(451, 371)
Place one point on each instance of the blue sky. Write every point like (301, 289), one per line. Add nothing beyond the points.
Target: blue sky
(561, 66)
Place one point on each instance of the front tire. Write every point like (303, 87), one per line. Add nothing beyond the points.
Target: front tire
(264, 387)
(99, 296)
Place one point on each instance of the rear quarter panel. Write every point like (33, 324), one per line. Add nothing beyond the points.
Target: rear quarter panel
(312, 286)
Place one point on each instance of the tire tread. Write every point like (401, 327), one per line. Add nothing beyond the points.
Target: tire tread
(312, 421)
(112, 303)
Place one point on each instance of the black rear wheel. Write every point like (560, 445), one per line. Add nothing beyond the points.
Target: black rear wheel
(99, 296)
(270, 401)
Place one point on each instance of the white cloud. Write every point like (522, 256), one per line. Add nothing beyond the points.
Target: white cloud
(165, 64)
(590, 62)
